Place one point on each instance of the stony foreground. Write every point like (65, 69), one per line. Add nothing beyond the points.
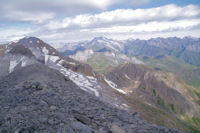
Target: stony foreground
(37, 99)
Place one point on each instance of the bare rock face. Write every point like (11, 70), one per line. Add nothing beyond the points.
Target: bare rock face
(15, 57)
(138, 80)
(3, 49)
(19, 49)
(39, 99)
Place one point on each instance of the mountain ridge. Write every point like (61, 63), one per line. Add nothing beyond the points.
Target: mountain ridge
(102, 87)
(187, 48)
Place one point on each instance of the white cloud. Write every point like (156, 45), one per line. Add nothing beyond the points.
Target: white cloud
(33, 10)
(165, 20)
(12, 34)
(127, 17)
(103, 4)
(151, 27)
(30, 17)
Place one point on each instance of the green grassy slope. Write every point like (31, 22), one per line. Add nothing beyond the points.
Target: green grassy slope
(189, 73)
(100, 62)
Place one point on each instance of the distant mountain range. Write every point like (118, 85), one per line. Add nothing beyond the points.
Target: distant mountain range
(187, 48)
(180, 56)
(100, 61)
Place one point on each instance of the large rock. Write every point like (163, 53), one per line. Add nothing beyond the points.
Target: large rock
(116, 129)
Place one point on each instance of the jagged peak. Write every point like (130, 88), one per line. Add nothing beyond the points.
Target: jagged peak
(31, 42)
(100, 38)
(30, 38)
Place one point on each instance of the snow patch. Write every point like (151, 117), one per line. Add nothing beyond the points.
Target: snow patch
(80, 80)
(125, 105)
(51, 58)
(46, 58)
(72, 63)
(45, 50)
(83, 55)
(86, 83)
(37, 53)
(63, 61)
(127, 77)
(13, 64)
(54, 58)
(24, 63)
(114, 86)
(90, 77)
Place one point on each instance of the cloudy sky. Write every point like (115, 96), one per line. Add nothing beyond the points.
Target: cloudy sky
(57, 21)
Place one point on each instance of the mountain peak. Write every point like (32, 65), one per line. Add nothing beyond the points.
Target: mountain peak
(31, 42)
(100, 38)
(29, 39)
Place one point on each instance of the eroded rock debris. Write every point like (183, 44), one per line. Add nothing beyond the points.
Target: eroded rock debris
(44, 101)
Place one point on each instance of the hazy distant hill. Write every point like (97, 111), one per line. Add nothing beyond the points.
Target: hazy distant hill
(187, 49)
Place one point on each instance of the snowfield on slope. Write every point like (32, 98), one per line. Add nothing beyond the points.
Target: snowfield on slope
(16, 60)
(114, 86)
(85, 83)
